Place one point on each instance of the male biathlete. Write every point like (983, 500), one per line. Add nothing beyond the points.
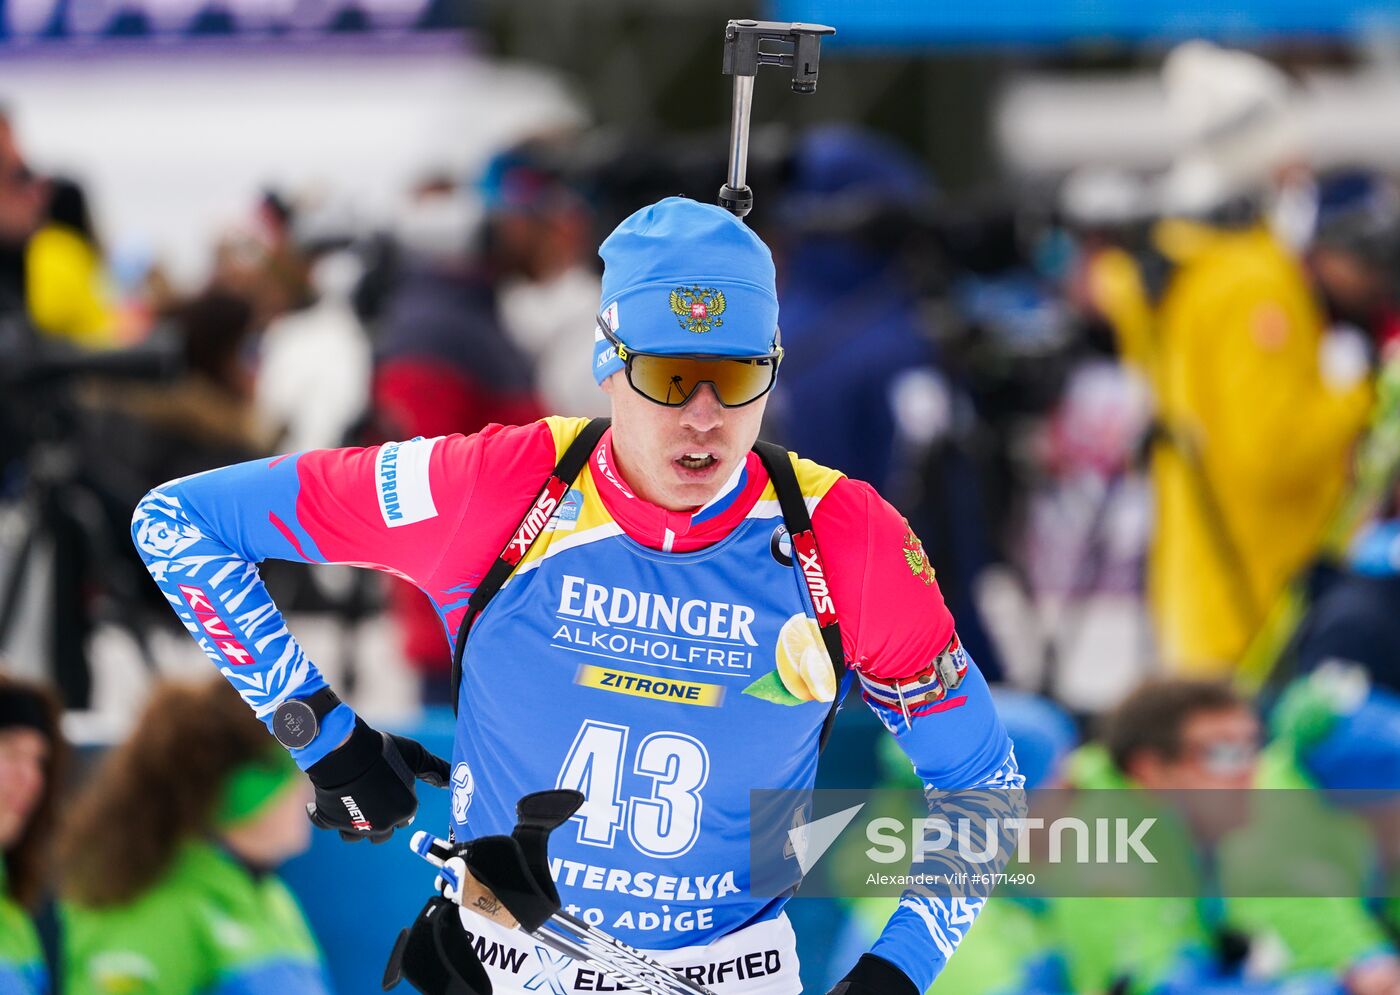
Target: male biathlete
(656, 645)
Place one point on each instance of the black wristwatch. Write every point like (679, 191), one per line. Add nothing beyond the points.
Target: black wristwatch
(297, 721)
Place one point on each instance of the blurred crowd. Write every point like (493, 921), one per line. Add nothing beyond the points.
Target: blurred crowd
(1147, 427)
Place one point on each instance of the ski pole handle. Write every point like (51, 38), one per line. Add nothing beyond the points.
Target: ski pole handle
(459, 885)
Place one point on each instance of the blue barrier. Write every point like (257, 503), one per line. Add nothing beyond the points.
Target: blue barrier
(920, 23)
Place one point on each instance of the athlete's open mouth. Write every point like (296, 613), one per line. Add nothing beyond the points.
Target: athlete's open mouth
(696, 461)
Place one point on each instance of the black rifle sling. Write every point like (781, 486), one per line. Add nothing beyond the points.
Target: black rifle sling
(803, 538)
(558, 483)
(790, 500)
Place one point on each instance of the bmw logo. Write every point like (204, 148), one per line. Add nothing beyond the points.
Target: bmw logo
(781, 546)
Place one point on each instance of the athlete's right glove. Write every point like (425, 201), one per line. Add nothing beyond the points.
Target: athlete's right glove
(874, 975)
(435, 955)
(365, 786)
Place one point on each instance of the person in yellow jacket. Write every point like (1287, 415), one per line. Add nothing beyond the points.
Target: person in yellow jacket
(65, 279)
(1258, 406)
(1254, 428)
(1253, 452)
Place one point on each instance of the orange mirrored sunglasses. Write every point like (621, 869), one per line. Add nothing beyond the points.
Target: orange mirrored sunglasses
(672, 380)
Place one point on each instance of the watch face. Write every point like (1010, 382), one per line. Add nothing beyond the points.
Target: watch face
(294, 724)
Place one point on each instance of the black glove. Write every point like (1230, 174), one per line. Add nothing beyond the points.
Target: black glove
(364, 787)
(436, 956)
(875, 976)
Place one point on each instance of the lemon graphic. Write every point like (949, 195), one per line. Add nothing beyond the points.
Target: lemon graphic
(802, 663)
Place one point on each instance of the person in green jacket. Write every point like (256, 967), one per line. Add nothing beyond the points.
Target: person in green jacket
(31, 751)
(1255, 899)
(169, 859)
(1316, 869)
(1183, 752)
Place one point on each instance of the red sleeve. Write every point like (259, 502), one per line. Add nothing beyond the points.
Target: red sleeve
(893, 619)
(514, 465)
(413, 507)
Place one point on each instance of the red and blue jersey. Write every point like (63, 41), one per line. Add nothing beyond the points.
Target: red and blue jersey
(664, 663)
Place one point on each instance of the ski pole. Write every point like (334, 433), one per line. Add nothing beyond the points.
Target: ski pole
(561, 932)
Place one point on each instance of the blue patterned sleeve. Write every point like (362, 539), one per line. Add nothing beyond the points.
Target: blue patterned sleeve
(965, 762)
(398, 508)
(201, 538)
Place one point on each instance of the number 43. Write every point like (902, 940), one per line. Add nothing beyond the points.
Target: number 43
(664, 824)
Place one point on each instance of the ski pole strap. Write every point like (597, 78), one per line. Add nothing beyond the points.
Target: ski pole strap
(545, 503)
(806, 559)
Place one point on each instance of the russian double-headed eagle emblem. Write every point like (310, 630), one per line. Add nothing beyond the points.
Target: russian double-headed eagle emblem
(915, 557)
(698, 309)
